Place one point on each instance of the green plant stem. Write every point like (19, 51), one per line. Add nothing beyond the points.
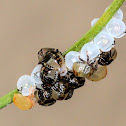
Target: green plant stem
(105, 18)
(7, 99)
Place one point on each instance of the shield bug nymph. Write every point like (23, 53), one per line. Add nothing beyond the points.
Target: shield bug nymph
(52, 57)
(98, 74)
(107, 58)
(44, 97)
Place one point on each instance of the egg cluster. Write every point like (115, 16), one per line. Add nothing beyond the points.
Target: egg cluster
(94, 56)
(56, 77)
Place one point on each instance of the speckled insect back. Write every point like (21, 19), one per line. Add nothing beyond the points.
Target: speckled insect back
(51, 60)
(74, 81)
(107, 58)
(44, 97)
(69, 94)
(52, 57)
(60, 90)
(90, 72)
(81, 69)
(98, 74)
(49, 76)
(56, 77)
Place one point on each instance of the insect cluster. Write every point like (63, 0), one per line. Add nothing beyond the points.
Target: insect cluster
(50, 81)
(56, 77)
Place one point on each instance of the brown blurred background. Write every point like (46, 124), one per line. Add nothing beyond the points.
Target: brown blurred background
(28, 25)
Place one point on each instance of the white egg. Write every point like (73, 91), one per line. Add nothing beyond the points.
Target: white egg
(26, 91)
(115, 27)
(92, 42)
(24, 81)
(35, 75)
(104, 41)
(70, 58)
(25, 84)
(118, 14)
(94, 21)
(120, 36)
(90, 50)
(109, 48)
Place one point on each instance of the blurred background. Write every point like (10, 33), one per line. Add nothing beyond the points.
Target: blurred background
(26, 26)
